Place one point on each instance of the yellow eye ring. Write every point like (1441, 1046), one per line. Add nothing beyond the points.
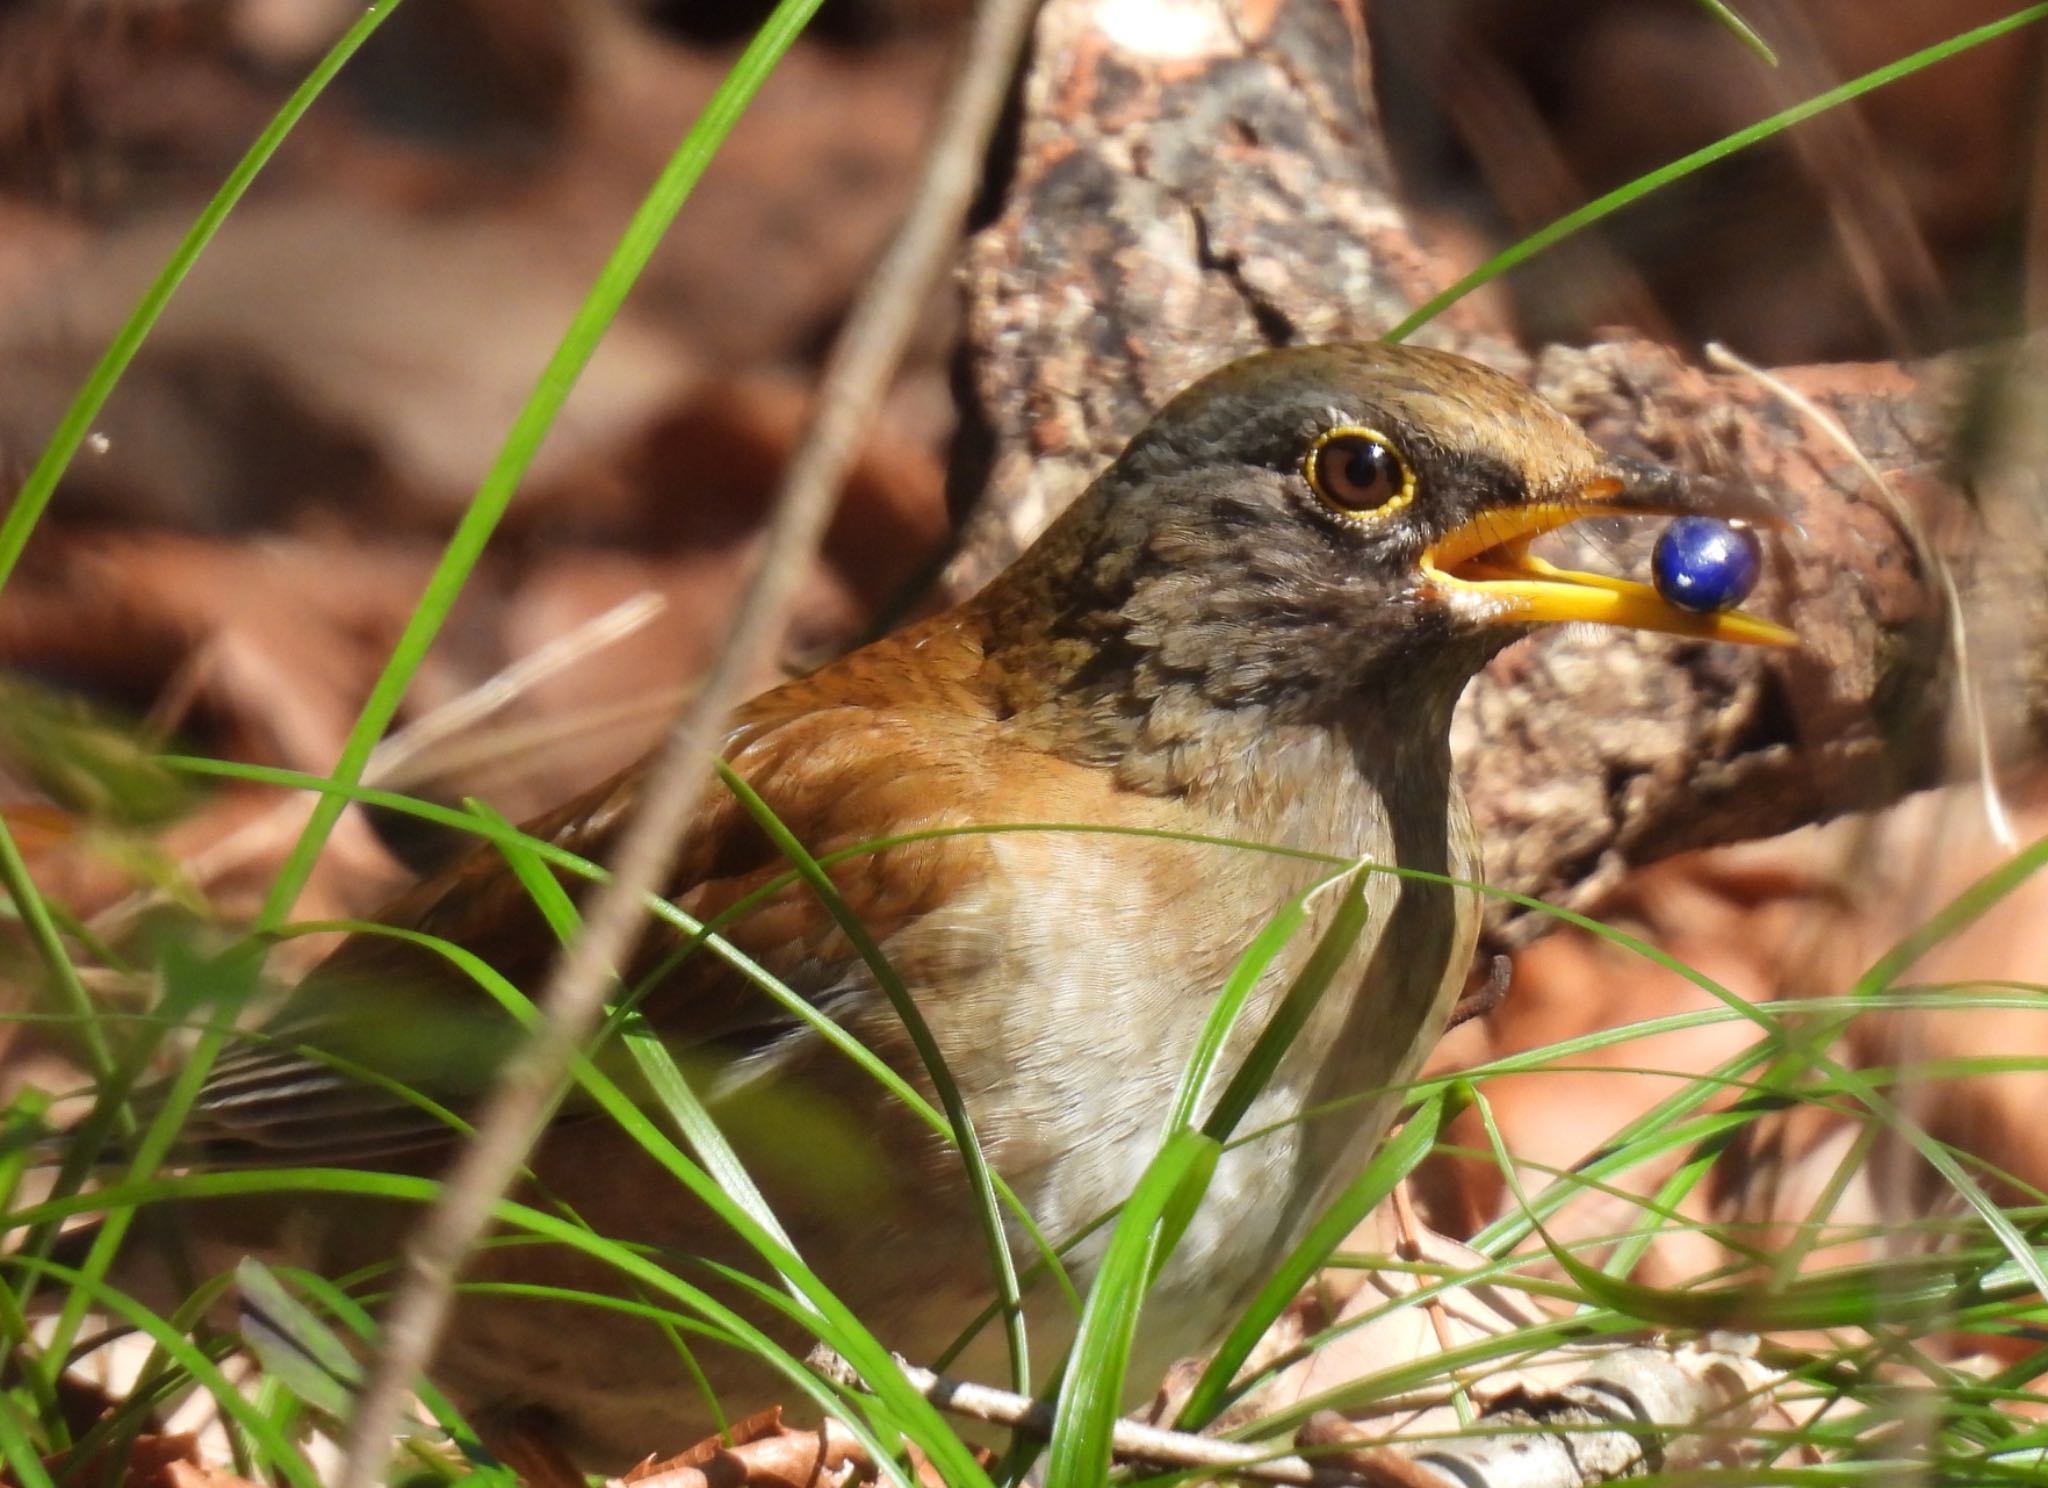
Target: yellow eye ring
(1358, 474)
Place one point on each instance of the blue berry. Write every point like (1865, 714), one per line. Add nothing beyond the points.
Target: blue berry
(1704, 564)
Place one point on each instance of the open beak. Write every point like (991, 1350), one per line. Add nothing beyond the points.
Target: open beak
(1487, 559)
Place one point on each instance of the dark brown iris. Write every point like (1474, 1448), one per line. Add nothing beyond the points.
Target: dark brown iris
(1358, 472)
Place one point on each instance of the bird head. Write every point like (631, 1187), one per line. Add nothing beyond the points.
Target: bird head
(1318, 522)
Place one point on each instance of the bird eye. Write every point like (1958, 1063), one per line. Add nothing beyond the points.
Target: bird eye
(1358, 473)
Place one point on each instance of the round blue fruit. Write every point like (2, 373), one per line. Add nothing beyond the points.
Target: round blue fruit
(1704, 564)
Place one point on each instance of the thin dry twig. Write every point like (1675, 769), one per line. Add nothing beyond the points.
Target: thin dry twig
(1409, 1229)
(462, 757)
(396, 756)
(1130, 1441)
(856, 375)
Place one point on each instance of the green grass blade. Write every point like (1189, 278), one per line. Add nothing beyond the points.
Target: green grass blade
(1091, 1392)
(1863, 1296)
(76, 424)
(1924, 1290)
(1852, 1164)
(157, 1381)
(665, 1081)
(171, 1340)
(1796, 1051)
(829, 1318)
(294, 1346)
(579, 343)
(17, 1446)
(1200, 1069)
(465, 822)
(1973, 902)
(979, 1179)
(1613, 201)
(657, 1066)
(1744, 32)
(913, 1413)
(594, 1081)
(1393, 1162)
(353, 1316)
(702, 935)
(43, 935)
(1302, 996)
(21, 1127)
(1655, 1132)
(1669, 1195)
(224, 986)
(75, 1005)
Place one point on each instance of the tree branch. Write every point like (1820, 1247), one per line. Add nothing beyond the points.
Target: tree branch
(1215, 180)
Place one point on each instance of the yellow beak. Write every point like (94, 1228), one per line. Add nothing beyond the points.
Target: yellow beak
(1485, 562)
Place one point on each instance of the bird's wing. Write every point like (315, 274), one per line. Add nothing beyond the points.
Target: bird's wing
(338, 1075)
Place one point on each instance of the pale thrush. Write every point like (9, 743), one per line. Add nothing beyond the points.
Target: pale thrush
(1253, 626)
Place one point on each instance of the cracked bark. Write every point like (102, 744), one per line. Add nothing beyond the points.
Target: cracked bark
(1194, 178)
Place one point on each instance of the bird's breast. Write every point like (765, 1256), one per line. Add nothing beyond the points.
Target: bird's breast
(1107, 954)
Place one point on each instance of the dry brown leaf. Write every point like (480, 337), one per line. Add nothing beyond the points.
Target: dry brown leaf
(760, 1452)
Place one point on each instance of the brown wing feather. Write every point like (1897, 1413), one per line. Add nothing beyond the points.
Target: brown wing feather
(810, 748)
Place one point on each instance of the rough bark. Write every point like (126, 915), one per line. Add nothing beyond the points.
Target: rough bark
(1195, 179)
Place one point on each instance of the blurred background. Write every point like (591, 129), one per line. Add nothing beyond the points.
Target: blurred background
(229, 560)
